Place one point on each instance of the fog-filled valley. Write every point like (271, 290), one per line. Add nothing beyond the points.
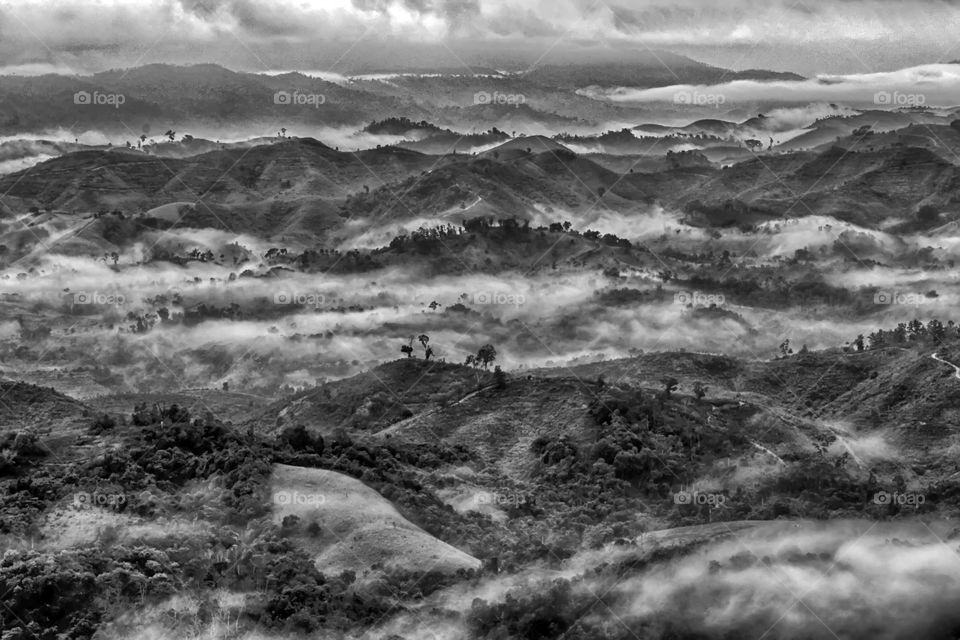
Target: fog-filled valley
(601, 341)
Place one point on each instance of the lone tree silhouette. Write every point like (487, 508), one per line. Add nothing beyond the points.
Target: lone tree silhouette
(486, 355)
(425, 341)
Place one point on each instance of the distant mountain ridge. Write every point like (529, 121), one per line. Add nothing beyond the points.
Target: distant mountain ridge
(153, 98)
(302, 182)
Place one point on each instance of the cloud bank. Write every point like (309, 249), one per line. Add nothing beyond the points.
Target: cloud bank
(927, 85)
(352, 35)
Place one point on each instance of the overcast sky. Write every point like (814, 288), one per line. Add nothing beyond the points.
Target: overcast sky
(350, 36)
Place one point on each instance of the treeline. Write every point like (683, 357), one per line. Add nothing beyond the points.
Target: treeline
(934, 332)
(151, 456)
(428, 238)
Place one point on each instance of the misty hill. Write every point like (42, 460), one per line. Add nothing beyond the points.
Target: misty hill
(826, 130)
(412, 494)
(941, 139)
(516, 117)
(358, 523)
(158, 96)
(529, 144)
(647, 69)
(831, 130)
(403, 127)
(303, 173)
(902, 395)
(354, 403)
(301, 186)
(453, 142)
(495, 184)
(428, 138)
(511, 101)
(636, 143)
(869, 188)
(24, 405)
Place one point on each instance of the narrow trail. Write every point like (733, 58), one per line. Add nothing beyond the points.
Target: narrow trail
(397, 425)
(846, 445)
(767, 451)
(794, 421)
(956, 369)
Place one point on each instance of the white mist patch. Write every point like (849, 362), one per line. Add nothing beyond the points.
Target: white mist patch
(805, 580)
(650, 223)
(184, 239)
(783, 579)
(795, 119)
(349, 139)
(922, 293)
(933, 84)
(784, 237)
(90, 137)
(381, 235)
(866, 449)
(290, 327)
(19, 164)
(890, 277)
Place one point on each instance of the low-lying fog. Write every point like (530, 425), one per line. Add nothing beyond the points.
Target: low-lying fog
(290, 328)
(780, 124)
(782, 580)
(25, 150)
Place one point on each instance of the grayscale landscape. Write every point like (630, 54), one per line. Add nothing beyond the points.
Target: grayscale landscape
(479, 320)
